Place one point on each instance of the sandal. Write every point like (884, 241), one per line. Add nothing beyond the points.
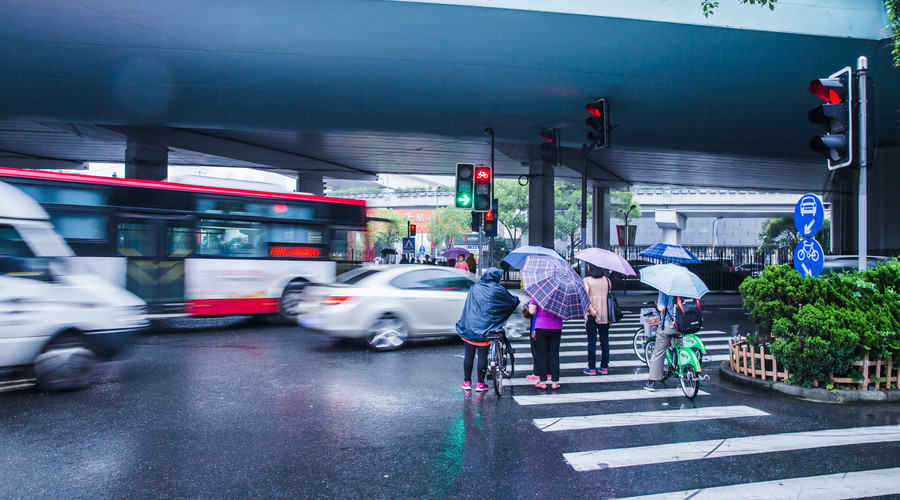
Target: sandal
(540, 385)
(554, 386)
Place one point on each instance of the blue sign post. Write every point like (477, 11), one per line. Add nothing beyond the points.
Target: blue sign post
(809, 258)
(808, 215)
(409, 245)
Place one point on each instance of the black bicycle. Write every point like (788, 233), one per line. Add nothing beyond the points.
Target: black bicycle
(501, 360)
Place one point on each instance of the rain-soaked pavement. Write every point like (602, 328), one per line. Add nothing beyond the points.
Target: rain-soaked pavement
(235, 409)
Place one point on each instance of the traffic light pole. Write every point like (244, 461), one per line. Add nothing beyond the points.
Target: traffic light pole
(862, 68)
(584, 151)
(490, 130)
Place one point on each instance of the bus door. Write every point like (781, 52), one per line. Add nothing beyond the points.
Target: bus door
(155, 248)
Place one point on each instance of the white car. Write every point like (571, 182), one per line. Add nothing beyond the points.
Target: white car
(55, 322)
(386, 305)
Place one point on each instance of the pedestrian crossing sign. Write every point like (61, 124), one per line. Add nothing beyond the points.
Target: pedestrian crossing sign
(409, 245)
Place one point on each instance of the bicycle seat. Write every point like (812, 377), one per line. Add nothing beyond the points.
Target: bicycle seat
(499, 334)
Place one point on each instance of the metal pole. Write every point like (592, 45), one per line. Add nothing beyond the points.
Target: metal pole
(862, 67)
(496, 222)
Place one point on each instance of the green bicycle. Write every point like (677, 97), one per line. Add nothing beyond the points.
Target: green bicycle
(682, 359)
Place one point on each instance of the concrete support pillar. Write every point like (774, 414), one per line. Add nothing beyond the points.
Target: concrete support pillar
(146, 161)
(883, 208)
(601, 216)
(540, 206)
(671, 223)
(884, 204)
(310, 183)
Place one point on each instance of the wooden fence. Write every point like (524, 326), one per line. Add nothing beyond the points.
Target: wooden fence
(757, 363)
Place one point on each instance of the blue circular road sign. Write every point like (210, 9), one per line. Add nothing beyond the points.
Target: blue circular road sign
(809, 257)
(808, 215)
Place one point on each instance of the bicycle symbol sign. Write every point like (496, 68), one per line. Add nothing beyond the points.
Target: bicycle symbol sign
(809, 258)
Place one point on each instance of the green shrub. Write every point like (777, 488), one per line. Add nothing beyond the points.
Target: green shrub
(819, 326)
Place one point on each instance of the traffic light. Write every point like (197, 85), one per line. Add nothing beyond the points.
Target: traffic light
(599, 121)
(550, 146)
(836, 116)
(412, 230)
(490, 222)
(484, 188)
(476, 222)
(465, 173)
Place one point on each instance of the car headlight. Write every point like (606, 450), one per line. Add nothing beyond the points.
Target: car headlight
(136, 315)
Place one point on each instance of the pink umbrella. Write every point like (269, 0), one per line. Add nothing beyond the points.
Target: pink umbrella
(606, 259)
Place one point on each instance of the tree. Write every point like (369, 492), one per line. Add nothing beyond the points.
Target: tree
(567, 220)
(449, 222)
(620, 202)
(782, 233)
(387, 233)
(512, 200)
(710, 6)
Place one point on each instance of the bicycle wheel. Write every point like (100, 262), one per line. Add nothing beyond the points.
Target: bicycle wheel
(690, 382)
(638, 344)
(509, 360)
(498, 380)
(648, 354)
(698, 354)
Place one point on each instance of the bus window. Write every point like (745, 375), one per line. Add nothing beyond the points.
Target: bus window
(348, 245)
(283, 233)
(80, 226)
(178, 241)
(135, 239)
(231, 238)
(64, 196)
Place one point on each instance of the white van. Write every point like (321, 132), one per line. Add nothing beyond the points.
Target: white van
(55, 321)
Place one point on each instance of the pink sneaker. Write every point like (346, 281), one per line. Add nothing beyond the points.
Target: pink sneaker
(604, 371)
(481, 387)
(532, 377)
(467, 386)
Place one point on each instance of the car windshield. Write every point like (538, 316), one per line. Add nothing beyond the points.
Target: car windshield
(355, 276)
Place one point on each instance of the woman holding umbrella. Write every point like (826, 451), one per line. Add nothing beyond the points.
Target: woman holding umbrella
(597, 319)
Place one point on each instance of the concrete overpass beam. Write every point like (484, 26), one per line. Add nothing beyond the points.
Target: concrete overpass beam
(540, 205)
(671, 223)
(147, 161)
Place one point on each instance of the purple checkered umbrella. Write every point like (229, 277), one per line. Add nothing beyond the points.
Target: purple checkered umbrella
(555, 286)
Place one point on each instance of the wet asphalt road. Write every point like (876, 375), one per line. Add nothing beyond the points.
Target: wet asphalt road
(235, 409)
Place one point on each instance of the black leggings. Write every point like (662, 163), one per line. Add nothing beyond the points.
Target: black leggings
(546, 357)
(470, 360)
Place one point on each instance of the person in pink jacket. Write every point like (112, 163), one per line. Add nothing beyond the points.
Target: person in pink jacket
(461, 263)
(597, 320)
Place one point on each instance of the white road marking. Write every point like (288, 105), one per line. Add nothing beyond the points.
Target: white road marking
(729, 447)
(645, 418)
(616, 363)
(862, 484)
(594, 397)
(585, 379)
(612, 352)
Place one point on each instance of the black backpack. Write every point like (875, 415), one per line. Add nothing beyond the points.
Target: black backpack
(687, 317)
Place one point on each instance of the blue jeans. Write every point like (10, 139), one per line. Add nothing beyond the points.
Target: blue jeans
(593, 329)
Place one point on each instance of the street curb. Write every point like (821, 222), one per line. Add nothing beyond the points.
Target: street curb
(813, 393)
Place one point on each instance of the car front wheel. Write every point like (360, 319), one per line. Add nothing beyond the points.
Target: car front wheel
(387, 333)
(65, 364)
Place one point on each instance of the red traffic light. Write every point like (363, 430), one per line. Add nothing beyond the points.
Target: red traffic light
(489, 216)
(595, 108)
(547, 135)
(824, 88)
(482, 174)
(412, 228)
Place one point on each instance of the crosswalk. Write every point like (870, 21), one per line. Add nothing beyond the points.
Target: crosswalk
(594, 403)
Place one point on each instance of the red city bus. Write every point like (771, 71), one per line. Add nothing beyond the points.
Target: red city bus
(200, 250)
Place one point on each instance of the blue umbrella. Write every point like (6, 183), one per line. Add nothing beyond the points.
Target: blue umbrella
(674, 280)
(671, 253)
(517, 257)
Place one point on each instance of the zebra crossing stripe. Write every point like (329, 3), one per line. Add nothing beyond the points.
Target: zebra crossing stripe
(645, 418)
(583, 344)
(585, 379)
(618, 364)
(729, 447)
(580, 334)
(595, 397)
(612, 352)
(862, 484)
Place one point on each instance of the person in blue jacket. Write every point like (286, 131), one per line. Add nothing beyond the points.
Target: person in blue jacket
(487, 308)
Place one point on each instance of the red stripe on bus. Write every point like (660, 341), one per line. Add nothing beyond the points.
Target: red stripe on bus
(172, 186)
(221, 307)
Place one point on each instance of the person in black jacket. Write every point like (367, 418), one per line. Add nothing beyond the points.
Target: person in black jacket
(487, 308)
